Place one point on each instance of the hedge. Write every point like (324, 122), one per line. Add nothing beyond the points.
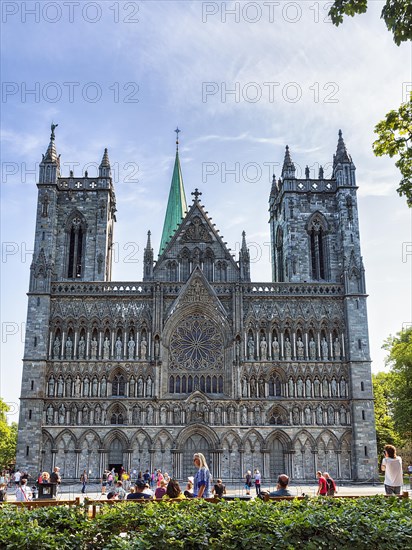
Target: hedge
(318, 523)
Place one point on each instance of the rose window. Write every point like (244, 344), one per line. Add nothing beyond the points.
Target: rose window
(196, 344)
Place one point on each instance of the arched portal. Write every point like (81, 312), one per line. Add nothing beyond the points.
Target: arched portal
(194, 444)
(116, 454)
(277, 459)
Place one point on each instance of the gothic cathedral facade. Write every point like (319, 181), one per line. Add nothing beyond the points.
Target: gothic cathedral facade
(196, 356)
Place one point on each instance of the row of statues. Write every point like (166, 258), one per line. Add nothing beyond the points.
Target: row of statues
(312, 353)
(259, 387)
(106, 353)
(95, 387)
(194, 412)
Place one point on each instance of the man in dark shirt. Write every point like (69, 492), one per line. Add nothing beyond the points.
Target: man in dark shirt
(282, 487)
(55, 475)
(140, 485)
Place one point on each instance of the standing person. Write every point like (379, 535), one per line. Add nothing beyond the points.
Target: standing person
(104, 481)
(258, 479)
(84, 478)
(331, 484)
(147, 477)
(248, 481)
(322, 485)
(159, 477)
(23, 492)
(17, 476)
(201, 488)
(55, 476)
(219, 489)
(392, 466)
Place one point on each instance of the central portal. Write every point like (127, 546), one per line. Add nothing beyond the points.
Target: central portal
(194, 444)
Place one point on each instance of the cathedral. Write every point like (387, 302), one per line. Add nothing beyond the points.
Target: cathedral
(196, 357)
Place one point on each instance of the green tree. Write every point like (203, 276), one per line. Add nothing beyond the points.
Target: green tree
(385, 426)
(8, 437)
(395, 139)
(395, 131)
(397, 15)
(400, 361)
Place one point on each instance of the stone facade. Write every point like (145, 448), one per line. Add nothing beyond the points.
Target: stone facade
(196, 357)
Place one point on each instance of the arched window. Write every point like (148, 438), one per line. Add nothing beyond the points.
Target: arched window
(76, 230)
(172, 271)
(220, 384)
(183, 384)
(171, 385)
(177, 384)
(184, 265)
(208, 265)
(279, 256)
(118, 385)
(117, 416)
(317, 237)
(208, 384)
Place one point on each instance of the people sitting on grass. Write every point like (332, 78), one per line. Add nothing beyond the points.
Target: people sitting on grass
(282, 487)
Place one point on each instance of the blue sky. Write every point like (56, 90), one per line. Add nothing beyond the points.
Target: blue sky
(240, 86)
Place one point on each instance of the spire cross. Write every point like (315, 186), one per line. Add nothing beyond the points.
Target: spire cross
(196, 193)
(177, 136)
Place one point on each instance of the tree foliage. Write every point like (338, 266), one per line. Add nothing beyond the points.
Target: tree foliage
(8, 437)
(397, 15)
(400, 361)
(395, 139)
(386, 433)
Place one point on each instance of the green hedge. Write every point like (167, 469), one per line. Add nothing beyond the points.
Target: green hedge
(318, 523)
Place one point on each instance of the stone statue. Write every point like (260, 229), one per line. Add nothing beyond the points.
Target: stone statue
(86, 387)
(342, 415)
(97, 415)
(62, 414)
(49, 415)
(85, 415)
(94, 386)
(312, 349)
(308, 415)
(149, 414)
(143, 348)
(132, 386)
(331, 415)
(163, 415)
(149, 387)
(316, 387)
(243, 417)
(50, 390)
(291, 388)
(319, 415)
(295, 415)
(60, 387)
(157, 348)
(131, 346)
(342, 387)
(336, 348)
(325, 349)
(82, 347)
(244, 387)
(56, 348)
(288, 350)
(308, 388)
(68, 386)
(256, 411)
(77, 387)
(299, 385)
(103, 387)
(300, 348)
(106, 348)
(237, 350)
(261, 387)
(251, 349)
(325, 388)
(275, 349)
(140, 387)
(93, 346)
(252, 387)
(136, 415)
(73, 415)
(118, 346)
(176, 415)
(69, 348)
(218, 415)
(334, 387)
(231, 414)
(263, 349)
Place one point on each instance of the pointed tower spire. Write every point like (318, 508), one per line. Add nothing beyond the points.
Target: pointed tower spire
(244, 260)
(342, 154)
(50, 165)
(104, 168)
(274, 189)
(343, 166)
(176, 204)
(148, 260)
(288, 170)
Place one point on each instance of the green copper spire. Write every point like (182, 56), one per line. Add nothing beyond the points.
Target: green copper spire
(176, 205)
